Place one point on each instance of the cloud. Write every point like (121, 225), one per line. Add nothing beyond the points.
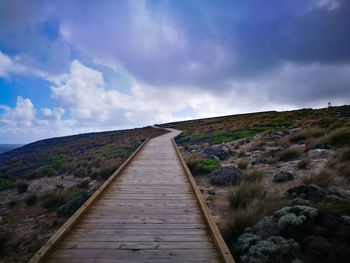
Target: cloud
(22, 114)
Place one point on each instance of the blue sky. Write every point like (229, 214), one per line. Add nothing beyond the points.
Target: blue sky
(68, 67)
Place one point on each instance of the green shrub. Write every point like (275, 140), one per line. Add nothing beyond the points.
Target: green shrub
(6, 184)
(245, 194)
(288, 154)
(283, 176)
(52, 201)
(84, 183)
(253, 248)
(203, 166)
(295, 215)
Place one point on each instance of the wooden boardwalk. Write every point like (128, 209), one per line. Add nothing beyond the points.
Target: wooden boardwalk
(150, 212)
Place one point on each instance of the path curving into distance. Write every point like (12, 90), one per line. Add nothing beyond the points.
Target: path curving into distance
(149, 213)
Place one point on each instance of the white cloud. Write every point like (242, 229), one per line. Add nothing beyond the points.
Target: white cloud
(14, 65)
(329, 4)
(22, 114)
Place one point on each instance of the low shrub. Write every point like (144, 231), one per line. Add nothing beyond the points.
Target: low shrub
(203, 166)
(324, 178)
(303, 163)
(242, 164)
(245, 194)
(283, 176)
(297, 137)
(31, 200)
(289, 154)
(51, 201)
(22, 187)
(6, 184)
(84, 183)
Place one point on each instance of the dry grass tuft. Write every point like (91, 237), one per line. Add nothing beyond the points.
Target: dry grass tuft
(245, 194)
(242, 164)
(289, 154)
(325, 178)
(253, 175)
(304, 163)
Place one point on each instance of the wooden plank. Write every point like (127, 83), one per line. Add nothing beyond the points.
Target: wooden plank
(127, 231)
(136, 245)
(134, 254)
(142, 225)
(138, 238)
(44, 251)
(219, 241)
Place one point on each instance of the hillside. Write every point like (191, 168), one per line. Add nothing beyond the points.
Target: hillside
(277, 183)
(43, 183)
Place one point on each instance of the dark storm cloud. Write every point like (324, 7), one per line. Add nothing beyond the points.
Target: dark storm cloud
(207, 44)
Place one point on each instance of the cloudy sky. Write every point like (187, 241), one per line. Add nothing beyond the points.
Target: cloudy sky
(68, 67)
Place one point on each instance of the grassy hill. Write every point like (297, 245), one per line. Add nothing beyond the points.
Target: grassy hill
(277, 183)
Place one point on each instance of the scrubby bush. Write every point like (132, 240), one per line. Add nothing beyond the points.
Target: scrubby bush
(203, 166)
(324, 178)
(283, 176)
(31, 200)
(6, 184)
(226, 176)
(245, 194)
(253, 249)
(295, 215)
(51, 201)
(289, 154)
(84, 183)
(22, 187)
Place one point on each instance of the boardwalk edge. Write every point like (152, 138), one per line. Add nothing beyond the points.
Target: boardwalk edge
(45, 250)
(219, 241)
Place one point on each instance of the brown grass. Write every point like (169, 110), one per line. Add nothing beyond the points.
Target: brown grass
(244, 194)
(304, 163)
(242, 164)
(325, 178)
(253, 175)
(289, 154)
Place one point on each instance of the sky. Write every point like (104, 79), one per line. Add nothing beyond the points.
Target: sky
(69, 67)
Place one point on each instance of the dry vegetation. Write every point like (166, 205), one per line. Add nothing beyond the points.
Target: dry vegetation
(37, 179)
(291, 162)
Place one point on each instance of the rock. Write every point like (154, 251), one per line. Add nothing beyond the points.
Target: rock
(211, 191)
(320, 145)
(214, 157)
(320, 153)
(225, 176)
(220, 151)
(258, 161)
(252, 149)
(271, 151)
(73, 205)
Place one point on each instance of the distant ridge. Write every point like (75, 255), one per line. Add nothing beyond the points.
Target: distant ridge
(8, 147)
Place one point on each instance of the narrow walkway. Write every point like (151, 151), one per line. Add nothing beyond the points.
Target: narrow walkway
(149, 215)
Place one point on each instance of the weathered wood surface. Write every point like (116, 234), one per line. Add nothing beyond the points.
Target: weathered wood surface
(149, 215)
